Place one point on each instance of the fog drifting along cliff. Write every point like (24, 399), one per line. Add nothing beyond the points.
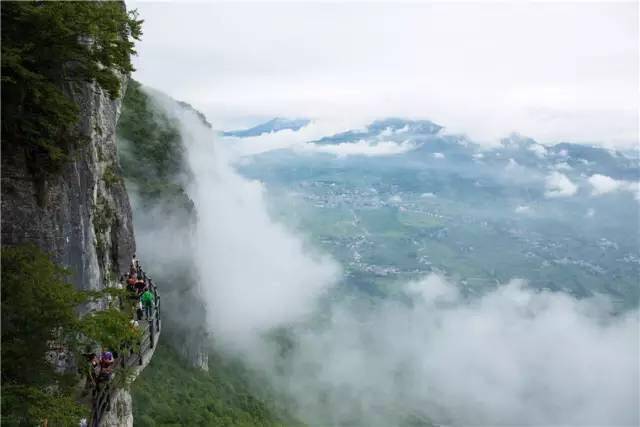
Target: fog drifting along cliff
(81, 216)
(152, 155)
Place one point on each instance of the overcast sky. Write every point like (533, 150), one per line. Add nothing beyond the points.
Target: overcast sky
(548, 70)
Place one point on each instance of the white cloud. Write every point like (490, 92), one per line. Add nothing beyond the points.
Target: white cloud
(510, 357)
(522, 209)
(563, 166)
(361, 148)
(299, 141)
(603, 184)
(255, 274)
(496, 71)
(539, 150)
(512, 164)
(288, 138)
(438, 156)
(558, 185)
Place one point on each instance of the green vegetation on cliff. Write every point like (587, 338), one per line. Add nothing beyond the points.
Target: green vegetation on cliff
(170, 393)
(40, 318)
(151, 151)
(45, 47)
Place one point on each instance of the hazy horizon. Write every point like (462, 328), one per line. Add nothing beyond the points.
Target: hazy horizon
(551, 71)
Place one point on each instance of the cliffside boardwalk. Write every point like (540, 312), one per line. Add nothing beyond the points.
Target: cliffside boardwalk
(103, 392)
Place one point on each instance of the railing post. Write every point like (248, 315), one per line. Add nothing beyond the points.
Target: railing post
(157, 311)
(151, 333)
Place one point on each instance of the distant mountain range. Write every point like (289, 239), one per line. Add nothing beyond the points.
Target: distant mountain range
(273, 125)
(427, 139)
(384, 128)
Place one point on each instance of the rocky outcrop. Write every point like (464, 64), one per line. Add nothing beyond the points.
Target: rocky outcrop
(81, 215)
(121, 413)
(194, 348)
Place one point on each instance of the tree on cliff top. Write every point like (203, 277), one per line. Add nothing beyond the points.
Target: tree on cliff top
(45, 45)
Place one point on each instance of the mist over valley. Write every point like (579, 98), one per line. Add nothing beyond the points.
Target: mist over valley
(445, 282)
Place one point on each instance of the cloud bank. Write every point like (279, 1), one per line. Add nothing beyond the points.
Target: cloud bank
(603, 184)
(255, 274)
(511, 357)
(362, 148)
(287, 138)
(558, 185)
(299, 141)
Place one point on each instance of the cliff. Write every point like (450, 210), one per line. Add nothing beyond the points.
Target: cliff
(61, 183)
(82, 215)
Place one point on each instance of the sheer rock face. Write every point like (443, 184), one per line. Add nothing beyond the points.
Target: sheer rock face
(82, 215)
(195, 349)
(201, 360)
(121, 413)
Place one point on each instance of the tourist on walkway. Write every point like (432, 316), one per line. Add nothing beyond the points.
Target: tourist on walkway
(106, 365)
(147, 302)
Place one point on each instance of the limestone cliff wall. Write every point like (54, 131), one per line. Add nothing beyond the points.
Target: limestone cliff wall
(82, 215)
